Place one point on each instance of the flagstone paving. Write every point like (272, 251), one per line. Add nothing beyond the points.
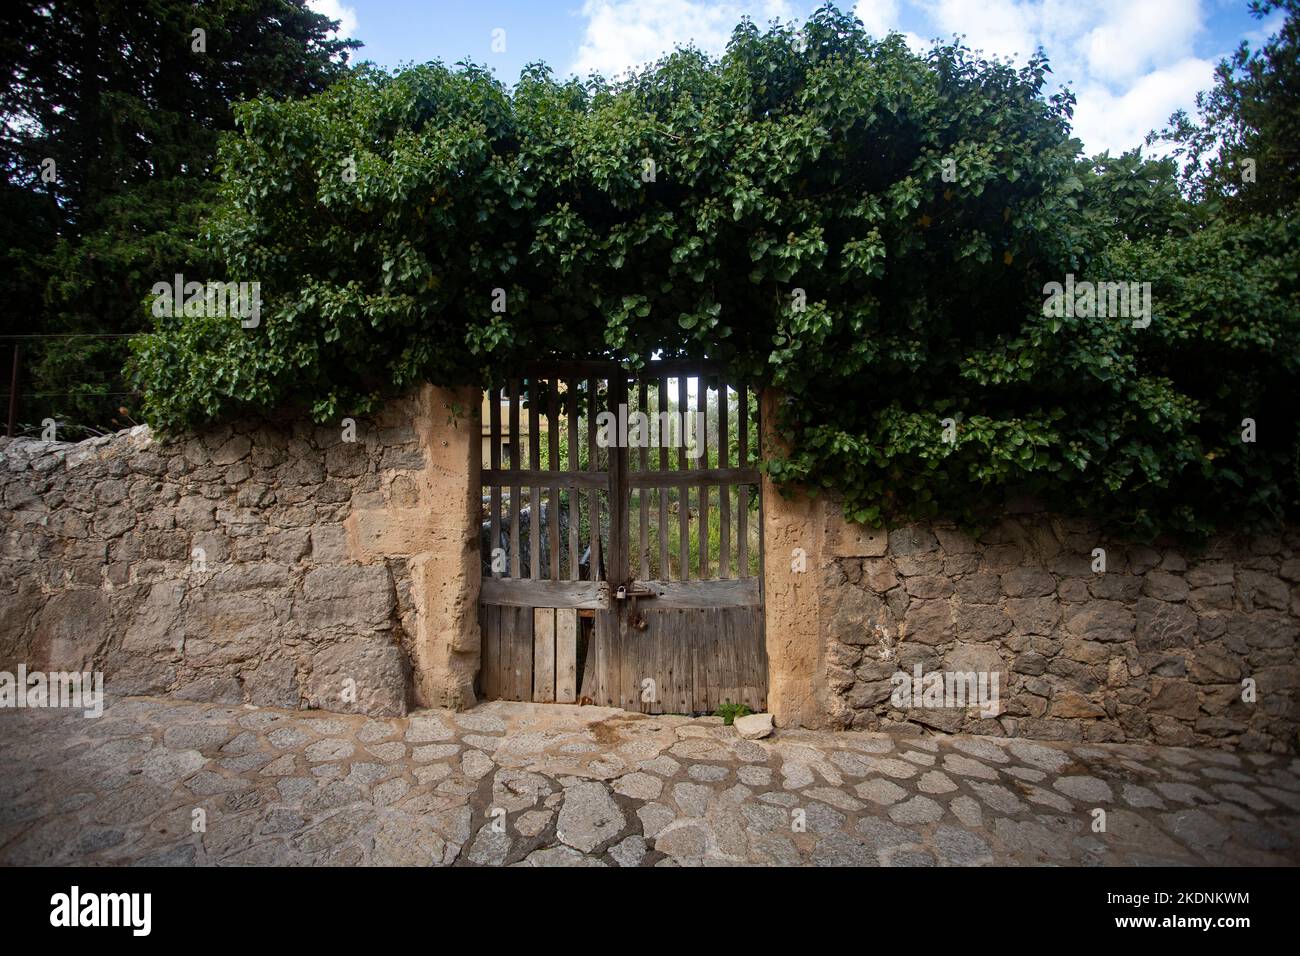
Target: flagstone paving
(543, 785)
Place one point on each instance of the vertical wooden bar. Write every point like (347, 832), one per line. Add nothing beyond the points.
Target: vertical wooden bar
(702, 406)
(724, 489)
(494, 461)
(620, 499)
(662, 490)
(523, 652)
(566, 655)
(742, 461)
(683, 491)
(514, 488)
(553, 432)
(593, 496)
(490, 635)
(643, 493)
(535, 494)
(573, 494)
(544, 655)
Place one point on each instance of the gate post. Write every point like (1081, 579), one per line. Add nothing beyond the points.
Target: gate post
(792, 562)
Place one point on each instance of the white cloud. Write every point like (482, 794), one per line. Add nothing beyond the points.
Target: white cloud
(878, 16)
(335, 10)
(1131, 62)
(624, 34)
(1118, 122)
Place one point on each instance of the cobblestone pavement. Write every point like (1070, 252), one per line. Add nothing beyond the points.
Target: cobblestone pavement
(552, 785)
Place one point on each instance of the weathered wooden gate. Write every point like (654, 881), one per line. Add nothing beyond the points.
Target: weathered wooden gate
(622, 539)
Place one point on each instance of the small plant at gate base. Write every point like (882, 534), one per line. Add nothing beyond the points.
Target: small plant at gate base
(729, 712)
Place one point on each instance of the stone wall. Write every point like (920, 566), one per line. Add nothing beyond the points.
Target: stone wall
(1154, 648)
(272, 563)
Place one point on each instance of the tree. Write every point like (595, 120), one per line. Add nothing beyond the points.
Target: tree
(871, 231)
(1242, 151)
(120, 107)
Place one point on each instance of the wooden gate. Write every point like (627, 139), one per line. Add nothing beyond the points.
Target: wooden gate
(621, 539)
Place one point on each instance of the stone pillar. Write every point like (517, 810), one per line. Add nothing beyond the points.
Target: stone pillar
(796, 666)
(436, 531)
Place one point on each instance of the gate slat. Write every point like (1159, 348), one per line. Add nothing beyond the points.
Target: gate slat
(574, 496)
(742, 490)
(702, 406)
(535, 493)
(662, 492)
(683, 491)
(724, 490)
(553, 431)
(593, 496)
(490, 638)
(514, 489)
(566, 655)
(643, 494)
(494, 461)
(544, 655)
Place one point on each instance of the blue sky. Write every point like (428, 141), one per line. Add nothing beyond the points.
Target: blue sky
(1131, 62)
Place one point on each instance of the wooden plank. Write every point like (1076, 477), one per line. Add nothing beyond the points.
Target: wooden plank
(705, 476)
(523, 652)
(553, 430)
(544, 655)
(683, 492)
(522, 592)
(620, 499)
(662, 405)
(506, 618)
(593, 497)
(643, 495)
(598, 480)
(566, 655)
(573, 498)
(494, 460)
(489, 630)
(702, 406)
(742, 493)
(514, 487)
(535, 493)
(724, 491)
(733, 592)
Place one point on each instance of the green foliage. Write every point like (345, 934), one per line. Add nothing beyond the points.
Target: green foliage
(116, 95)
(729, 712)
(793, 167)
(1252, 114)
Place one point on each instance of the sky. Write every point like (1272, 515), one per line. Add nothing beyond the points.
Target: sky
(1131, 63)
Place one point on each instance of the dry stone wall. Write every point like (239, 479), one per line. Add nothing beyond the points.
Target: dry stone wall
(272, 563)
(1163, 645)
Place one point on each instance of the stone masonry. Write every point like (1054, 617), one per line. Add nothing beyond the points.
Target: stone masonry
(1162, 646)
(272, 563)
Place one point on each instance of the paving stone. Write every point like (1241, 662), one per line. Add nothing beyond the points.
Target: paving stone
(629, 852)
(287, 738)
(935, 782)
(388, 752)
(1085, 788)
(754, 776)
(997, 797)
(589, 816)
(966, 767)
(434, 752)
(961, 847)
(476, 765)
(654, 817)
(559, 856)
(425, 729)
(1196, 828)
(966, 810)
(707, 773)
(639, 786)
(663, 766)
(916, 810)
(881, 791)
(328, 750)
(1138, 796)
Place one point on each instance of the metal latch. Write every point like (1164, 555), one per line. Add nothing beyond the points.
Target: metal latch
(635, 619)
